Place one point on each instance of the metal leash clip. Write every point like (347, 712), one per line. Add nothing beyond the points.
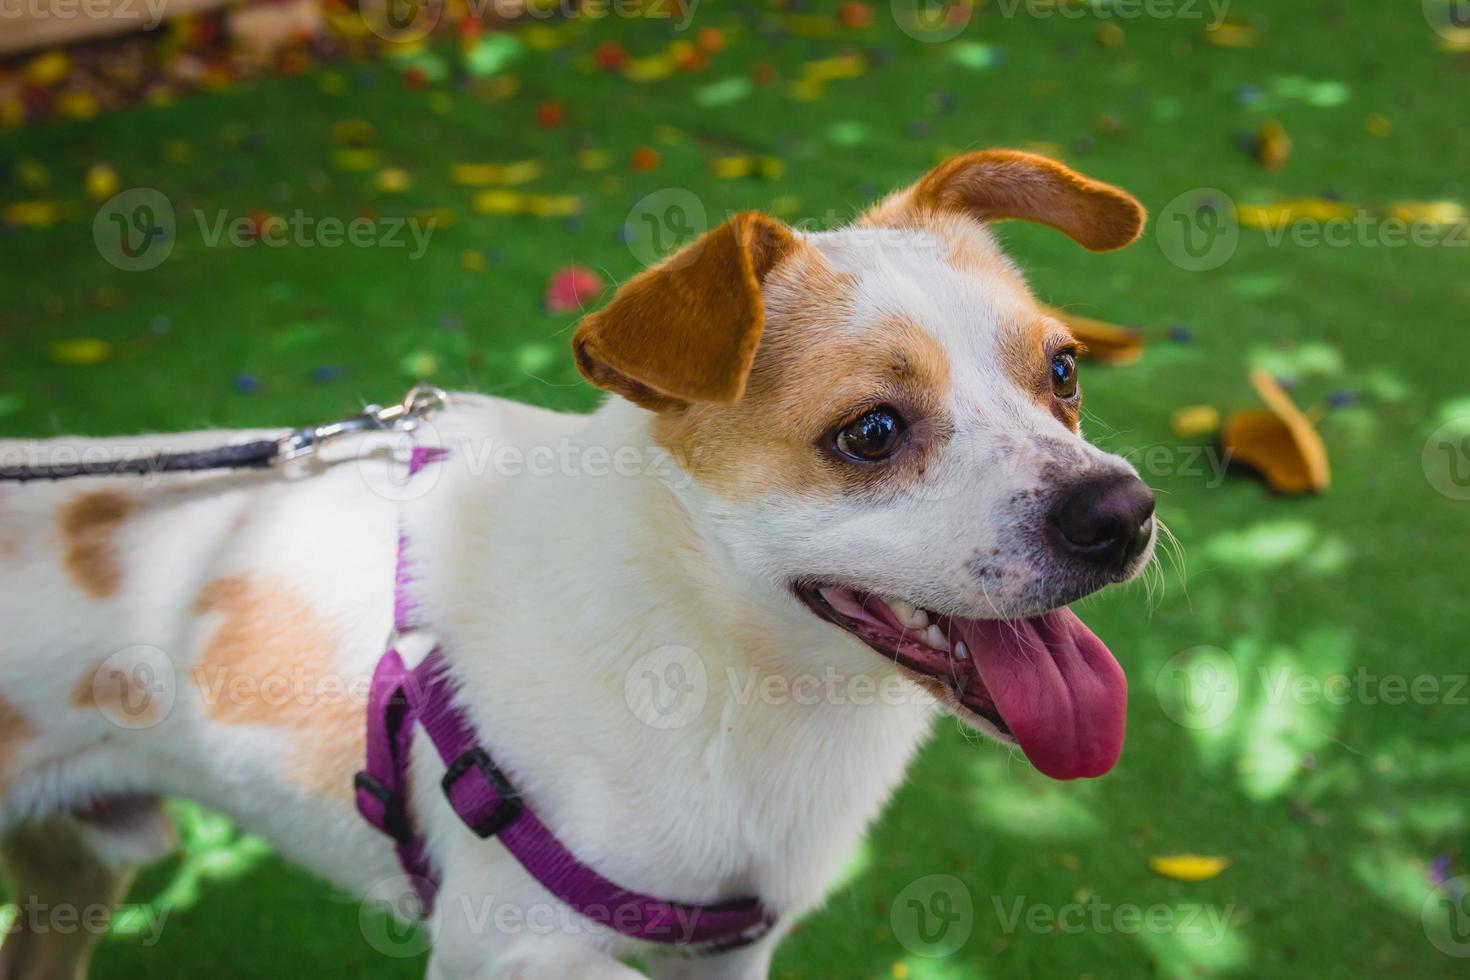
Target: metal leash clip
(405, 416)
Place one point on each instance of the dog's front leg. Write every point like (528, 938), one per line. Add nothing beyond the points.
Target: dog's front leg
(750, 963)
(541, 958)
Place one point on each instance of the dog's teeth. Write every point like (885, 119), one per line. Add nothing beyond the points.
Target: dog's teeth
(935, 637)
(908, 615)
(961, 651)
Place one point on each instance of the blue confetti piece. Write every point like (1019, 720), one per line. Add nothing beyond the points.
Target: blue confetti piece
(1181, 334)
(325, 374)
(246, 384)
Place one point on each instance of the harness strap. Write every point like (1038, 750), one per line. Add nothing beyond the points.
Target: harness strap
(489, 805)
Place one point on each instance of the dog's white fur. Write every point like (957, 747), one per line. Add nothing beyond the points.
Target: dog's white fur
(550, 591)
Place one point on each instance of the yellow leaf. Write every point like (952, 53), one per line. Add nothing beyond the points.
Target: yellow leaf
(1188, 867)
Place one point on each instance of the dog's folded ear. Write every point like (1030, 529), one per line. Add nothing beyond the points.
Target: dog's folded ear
(993, 185)
(687, 329)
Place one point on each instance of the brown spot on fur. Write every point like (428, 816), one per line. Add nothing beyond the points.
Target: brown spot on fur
(89, 526)
(15, 731)
(118, 694)
(272, 661)
(816, 368)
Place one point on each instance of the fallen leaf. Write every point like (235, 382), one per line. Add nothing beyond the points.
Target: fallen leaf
(1278, 442)
(1188, 867)
(1102, 342)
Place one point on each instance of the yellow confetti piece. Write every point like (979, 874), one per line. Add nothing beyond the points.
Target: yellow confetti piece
(421, 364)
(540, 205)
(472, 260)
(1378, 125)
(900, 971)
(440, 219)
(650, 69)
(732, 168)
(101, 181)
(488, 174)
(1193, 421)
(392, 180)
(593, 160)
(833, 69)
(32, 174)
(1229, 35)
(1446, 214)
(332, 83)
(1273, 146)
(666, 135)
(806, 90)
(1188, 867)
(543, 37)
(33, 214)
(358, 159)
(177, 151)
(48, 68)
(81, 351)
(1284, 213)
(1111, 36)
(77, 105)
(354, 132)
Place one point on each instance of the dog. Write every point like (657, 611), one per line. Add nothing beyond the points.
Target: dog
(840, 486)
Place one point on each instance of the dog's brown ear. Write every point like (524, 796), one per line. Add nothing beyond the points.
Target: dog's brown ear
(687, 329)
(993, 185)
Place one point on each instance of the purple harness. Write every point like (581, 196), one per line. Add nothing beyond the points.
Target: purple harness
(490, 806)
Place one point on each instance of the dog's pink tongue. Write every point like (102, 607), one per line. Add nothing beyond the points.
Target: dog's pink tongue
(1058, 688)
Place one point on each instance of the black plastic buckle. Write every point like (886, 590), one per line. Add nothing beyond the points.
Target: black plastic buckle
(395, 815)
(509, 805)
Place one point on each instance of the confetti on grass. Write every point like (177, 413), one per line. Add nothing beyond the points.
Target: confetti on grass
(1188, 867)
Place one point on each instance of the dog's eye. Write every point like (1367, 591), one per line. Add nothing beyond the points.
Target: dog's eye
(1064, 374)
(872, 436)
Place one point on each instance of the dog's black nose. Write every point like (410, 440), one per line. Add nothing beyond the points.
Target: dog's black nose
(1105, 521)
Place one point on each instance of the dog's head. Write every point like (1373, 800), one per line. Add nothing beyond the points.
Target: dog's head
(881, 424)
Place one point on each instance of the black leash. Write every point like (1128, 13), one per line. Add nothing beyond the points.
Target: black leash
(259, 455)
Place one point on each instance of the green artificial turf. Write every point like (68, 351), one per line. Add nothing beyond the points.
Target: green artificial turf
(1332, 815)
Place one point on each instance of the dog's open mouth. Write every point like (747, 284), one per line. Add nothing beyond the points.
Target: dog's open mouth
(1047, 681)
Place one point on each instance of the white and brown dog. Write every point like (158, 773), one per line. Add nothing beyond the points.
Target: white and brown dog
(850, 454)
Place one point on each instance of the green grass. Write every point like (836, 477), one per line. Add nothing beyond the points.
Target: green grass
(1329, 813)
